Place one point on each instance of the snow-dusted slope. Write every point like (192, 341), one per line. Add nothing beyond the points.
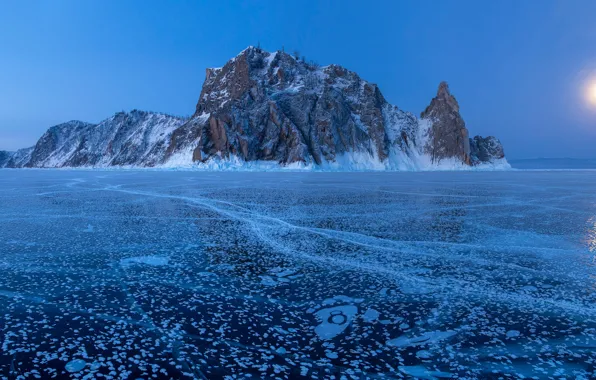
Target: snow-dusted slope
(5, 157)
(16, 159)
(136, 138)
(265, 110)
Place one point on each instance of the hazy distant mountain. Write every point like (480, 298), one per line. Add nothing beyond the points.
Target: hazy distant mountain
(266, 108)
(553, 163)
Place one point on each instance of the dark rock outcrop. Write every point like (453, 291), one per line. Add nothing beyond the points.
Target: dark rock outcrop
(274, 107)
(447, 136)
(485, 150)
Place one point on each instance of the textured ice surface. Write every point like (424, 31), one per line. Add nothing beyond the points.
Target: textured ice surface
(146, 260)
(150, 274)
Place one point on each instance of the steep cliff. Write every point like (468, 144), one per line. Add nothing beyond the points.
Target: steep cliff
(274, 107)
(447, 136)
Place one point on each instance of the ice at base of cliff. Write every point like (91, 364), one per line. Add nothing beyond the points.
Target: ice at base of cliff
(348, 162)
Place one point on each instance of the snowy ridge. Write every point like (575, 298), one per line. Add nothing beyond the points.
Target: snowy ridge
(136, 138)
(16, 159)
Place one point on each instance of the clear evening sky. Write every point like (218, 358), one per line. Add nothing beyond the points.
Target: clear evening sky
(519, 69)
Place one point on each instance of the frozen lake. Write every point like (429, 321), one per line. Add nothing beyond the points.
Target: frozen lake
(155, 274)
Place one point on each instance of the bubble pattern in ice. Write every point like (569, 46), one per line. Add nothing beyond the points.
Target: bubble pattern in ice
(153, 274)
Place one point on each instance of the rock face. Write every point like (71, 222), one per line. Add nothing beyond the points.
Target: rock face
(485, 150)
(273, 107)
(448, 136)
(5, 157)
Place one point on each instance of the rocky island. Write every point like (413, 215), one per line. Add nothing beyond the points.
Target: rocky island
(274, 110)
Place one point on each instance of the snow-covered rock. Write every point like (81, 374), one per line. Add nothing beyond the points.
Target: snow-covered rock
(136, 138)
(265, 110)
(5, 157)
(485, 150)
(16, 159)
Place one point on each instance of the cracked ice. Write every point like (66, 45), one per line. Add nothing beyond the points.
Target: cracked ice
(167, 274)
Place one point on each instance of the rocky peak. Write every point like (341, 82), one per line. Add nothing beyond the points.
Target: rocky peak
(445, 96)
(447, 134)
(274, 106)
(248, 74)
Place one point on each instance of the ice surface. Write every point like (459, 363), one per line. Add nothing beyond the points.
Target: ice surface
(146, 260)
(163, 274)
(431, 337)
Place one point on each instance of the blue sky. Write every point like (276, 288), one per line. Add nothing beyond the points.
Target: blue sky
(518, 68)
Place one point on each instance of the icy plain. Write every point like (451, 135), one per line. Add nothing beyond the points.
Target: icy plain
(166, 274)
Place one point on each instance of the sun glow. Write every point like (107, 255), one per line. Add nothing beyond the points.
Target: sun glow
(591, 93)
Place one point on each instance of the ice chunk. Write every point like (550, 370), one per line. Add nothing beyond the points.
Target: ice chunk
(370, 315)
(334, 320)
(75, 365)
(331, 355)
(423, 354)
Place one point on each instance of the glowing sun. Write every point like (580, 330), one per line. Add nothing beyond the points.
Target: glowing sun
(591, 93)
